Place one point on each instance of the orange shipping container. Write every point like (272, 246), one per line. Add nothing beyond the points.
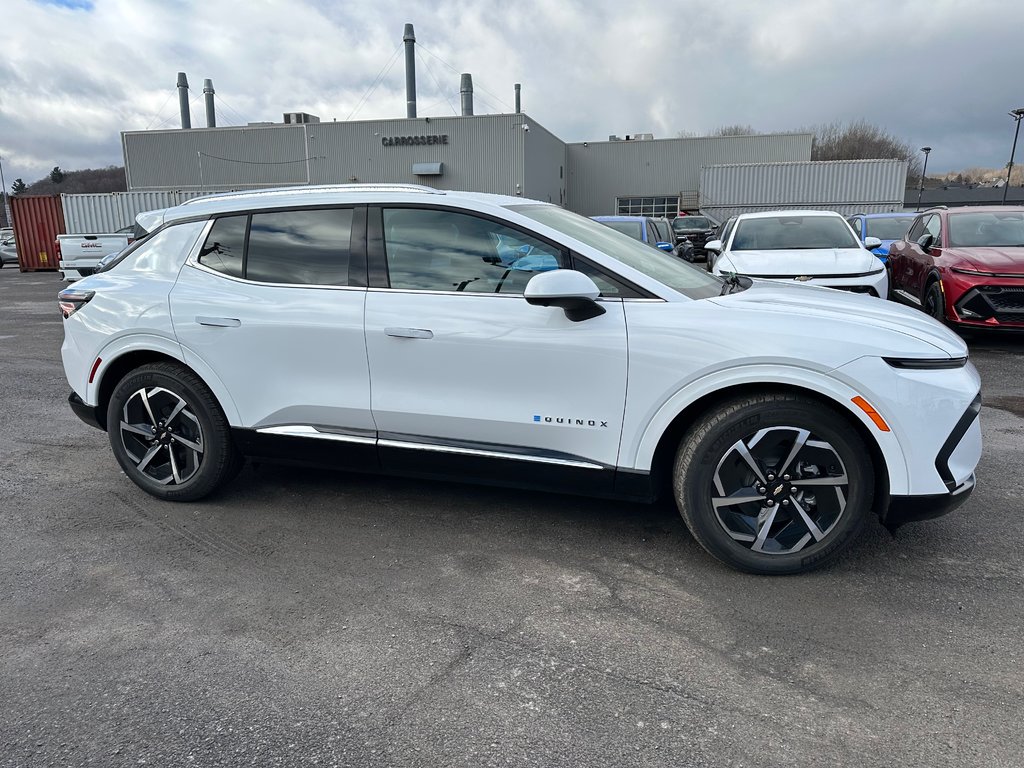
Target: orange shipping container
(37, 222)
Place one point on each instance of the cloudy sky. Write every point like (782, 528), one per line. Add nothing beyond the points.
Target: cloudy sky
(75, 73)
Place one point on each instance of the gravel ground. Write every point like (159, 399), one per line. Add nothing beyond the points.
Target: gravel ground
(311, 618)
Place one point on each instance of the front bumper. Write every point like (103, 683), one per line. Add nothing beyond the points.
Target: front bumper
(909, 509)
(87, 413)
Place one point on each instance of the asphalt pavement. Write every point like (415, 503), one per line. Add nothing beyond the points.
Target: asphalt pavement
(304, 617)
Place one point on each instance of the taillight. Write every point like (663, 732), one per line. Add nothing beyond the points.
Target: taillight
(70, 300)
(56, 248)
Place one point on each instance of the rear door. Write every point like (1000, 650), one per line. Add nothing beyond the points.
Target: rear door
(465, 372)
(272, 307)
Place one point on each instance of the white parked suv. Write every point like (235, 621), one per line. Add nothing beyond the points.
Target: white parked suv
(408, 330)
(816, 247)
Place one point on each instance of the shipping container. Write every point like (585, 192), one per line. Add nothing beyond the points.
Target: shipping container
(106, 212)
(844, 186)
(37, 222)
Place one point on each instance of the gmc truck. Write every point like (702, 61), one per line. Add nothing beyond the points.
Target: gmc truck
(78, 255)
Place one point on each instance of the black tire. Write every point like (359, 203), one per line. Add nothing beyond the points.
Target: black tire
(175, 442)
(780, 540)
(935, 302)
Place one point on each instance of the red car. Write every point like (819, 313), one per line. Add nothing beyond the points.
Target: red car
(963, 266)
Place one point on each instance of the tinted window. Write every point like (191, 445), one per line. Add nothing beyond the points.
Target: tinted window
(855, 223)
(691, 224)
(775, 233)
(889, 228)
(661, 226)
(986, 229)
(609, 286)
(931, 227)
(306, 247)
(224, 246)
(448, 251)
(916, 230)
(631, 228)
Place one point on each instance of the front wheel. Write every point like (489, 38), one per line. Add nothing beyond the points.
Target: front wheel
(169, 434)
(935, 302)
(774, 484)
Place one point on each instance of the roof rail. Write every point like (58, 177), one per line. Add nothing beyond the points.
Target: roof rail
(936, 208)
(314, 189)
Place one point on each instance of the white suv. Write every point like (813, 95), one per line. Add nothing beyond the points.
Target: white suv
(494, 339)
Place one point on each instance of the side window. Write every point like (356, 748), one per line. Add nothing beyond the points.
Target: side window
(225, 245)
(933, 226)
(855, 223)
(916, 230)
(663, 236)
(725, 231)
(304, 247)
(431, 250)
(610, 287)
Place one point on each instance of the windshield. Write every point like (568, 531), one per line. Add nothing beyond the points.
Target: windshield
(889, 228)
(631, 228)
(987, 229)
(785, 233)
(691, 223)
(663, 267)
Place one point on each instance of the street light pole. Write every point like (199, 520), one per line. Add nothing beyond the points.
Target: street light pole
(3, 189)
(1016, 114)
(920, 189)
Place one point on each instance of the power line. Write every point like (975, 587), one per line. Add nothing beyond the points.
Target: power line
(376, 81)
(261, 162)
(238, 114)
(453, 69)
(162, 107)
(439, 88)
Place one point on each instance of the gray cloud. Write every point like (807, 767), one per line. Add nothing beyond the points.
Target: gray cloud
(939, 73)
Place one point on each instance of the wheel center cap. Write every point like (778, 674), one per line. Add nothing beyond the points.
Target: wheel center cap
(778, 490)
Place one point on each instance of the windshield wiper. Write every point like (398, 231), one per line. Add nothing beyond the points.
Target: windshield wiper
(734, 282)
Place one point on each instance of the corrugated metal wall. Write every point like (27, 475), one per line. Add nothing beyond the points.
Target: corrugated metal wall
(215, 158)
(545, 165)
(37, 222)
(601, 171)
(484, 153)
(110, 211)
(846, 186)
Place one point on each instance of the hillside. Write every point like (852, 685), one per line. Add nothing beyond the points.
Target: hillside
(75, 182)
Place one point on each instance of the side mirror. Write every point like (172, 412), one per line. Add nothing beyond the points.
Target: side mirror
(715, 246)
(572, 291)
(926, 241)
(663, 246)
(872, 242)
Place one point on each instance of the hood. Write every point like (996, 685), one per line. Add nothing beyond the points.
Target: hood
(824, 261)
(1001, 259)
(861, 319)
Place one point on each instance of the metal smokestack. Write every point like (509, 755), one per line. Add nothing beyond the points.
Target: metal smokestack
(466, 90)
(409, 38)
(186, 117)
(518, 88)
(211, 116)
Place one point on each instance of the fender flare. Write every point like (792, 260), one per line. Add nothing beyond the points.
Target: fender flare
(640, 454)
(117, 348)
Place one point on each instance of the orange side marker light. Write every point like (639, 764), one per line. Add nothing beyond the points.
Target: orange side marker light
(865, 406)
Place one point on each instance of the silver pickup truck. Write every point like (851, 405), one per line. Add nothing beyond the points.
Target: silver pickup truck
(80, 254)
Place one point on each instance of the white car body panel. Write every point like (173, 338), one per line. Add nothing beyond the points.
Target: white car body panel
(259, 338)
(497, 370)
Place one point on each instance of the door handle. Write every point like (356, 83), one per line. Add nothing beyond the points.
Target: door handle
(219, 322)
(409, 333)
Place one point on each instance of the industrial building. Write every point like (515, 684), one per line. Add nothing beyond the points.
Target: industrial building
(511, 154)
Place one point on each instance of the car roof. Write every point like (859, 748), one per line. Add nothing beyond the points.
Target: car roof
(619, 218)
(289, 197)
(890, 215)
(773, 214)
(981, 209)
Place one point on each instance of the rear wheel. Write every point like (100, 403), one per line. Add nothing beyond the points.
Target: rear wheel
(774, 484)
(169, 434)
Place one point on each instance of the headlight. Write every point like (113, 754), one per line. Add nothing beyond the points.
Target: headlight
(926, 363)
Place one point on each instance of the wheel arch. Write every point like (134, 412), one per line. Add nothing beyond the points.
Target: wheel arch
(668, 443)
(114, 370)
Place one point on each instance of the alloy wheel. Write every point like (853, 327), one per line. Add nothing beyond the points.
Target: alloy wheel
(779, 490)
(162, 435)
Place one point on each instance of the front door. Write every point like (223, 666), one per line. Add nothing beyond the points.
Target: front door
(465, 373)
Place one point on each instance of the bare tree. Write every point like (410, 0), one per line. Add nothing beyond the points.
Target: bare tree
(861, 140)
(734, 130)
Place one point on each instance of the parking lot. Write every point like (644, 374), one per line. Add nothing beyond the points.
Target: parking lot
(315, 618)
